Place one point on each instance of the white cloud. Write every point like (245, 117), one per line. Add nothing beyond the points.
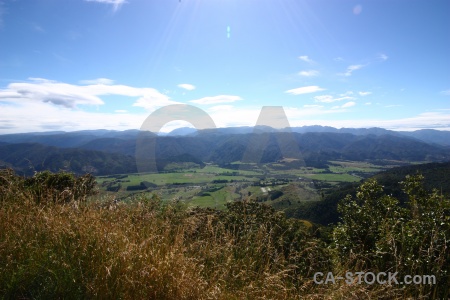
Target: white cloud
(383, 57)
(48, 91)
(151, 100)
(115, 3)
(38, 116)
(234, 117)
(447, 92)
(187, 86)
(312, 106)
(105, 81)
(305, 90)
(70, 96)
(330, 99)
(351, 69)
(121, 111)
(324, 98)
(349, 104)
(37, 28)
(368, 103)
(318, 115)
(357, 9)
(364, 93)
(217, 99)
(219, 108)
(31, 116)
(309, 73)
(305, 58)
(429, 120)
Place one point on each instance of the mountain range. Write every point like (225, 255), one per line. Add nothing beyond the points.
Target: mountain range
(110, 152)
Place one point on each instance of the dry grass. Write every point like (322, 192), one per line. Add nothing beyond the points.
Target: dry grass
(147, 249)
(142, 250)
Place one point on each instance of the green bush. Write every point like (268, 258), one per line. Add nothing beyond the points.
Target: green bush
(379, 235)
(47, 187)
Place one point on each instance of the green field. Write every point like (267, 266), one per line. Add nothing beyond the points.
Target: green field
(214, 186)
(333, 177)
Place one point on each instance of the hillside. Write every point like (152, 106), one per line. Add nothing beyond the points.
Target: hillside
(109, 152)
(226, 148)
(55, 242)
(26, 158)
(437, 176)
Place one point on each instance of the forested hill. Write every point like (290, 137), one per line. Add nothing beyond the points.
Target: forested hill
(222, 149)
(110, 154)
(26, 158)
(436, 176)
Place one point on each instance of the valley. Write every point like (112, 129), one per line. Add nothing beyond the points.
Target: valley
(229, 202)
(275, 183)
(303, 173)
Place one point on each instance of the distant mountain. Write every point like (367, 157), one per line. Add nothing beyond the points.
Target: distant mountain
(216, 146)
(78, 138)
(426, 135)
(67, 139)
(392, 147)
(226, 148)
(182, 131)
(355, 131)
(430, 136)
(111, 145)
(26, 158)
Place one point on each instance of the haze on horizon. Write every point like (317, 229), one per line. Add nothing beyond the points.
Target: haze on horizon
(107, 64)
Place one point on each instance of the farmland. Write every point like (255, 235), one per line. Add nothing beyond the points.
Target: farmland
(214, 186)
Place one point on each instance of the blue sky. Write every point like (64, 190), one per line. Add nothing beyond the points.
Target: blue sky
(77, 64)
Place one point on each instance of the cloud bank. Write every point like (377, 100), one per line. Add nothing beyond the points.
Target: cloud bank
(71, 96)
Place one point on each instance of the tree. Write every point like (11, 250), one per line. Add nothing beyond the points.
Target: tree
(375, 233)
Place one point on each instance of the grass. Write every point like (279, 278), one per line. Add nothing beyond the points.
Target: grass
(217, 199)
(144, 250)
(333, 177)
(152, 249)
(139, 250)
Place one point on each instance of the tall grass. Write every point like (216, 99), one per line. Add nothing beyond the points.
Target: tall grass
(156, 250)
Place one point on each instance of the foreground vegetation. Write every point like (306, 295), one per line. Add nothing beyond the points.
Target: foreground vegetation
(56, 244)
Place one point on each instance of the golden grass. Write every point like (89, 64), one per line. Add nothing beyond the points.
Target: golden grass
(148, 249)
(144, 250)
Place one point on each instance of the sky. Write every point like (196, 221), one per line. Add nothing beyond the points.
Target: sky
(109, 64)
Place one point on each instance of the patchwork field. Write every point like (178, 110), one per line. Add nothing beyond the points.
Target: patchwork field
(277, 183)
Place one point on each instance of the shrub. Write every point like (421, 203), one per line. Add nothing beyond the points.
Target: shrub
(47, 187)
(379, 235)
